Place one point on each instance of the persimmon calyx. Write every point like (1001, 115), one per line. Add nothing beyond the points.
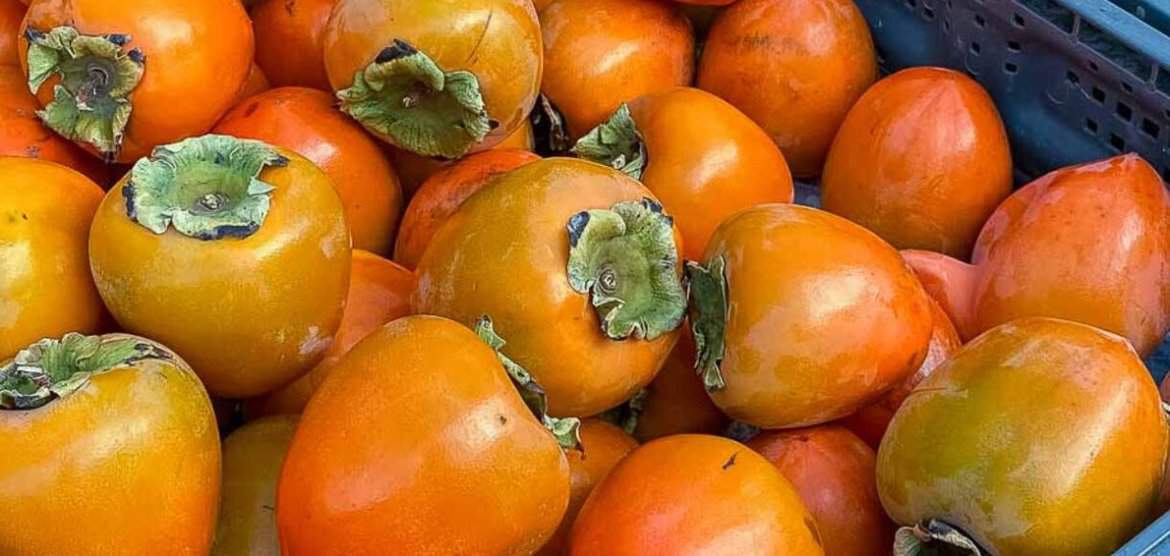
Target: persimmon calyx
(708, 309)
(626, 260)
(548, 126)
(934, 538)
(204, 187)
(626, 416)
(615, 143)
(54, 368)
(567, 431)
(91, 104)
(406, 97)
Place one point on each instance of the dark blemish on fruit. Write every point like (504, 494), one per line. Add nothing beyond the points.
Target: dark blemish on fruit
(812, 528)
(289, 5)
(268, 508)
(503, 420)
(730, 461)
(23, 216)
(251, 109)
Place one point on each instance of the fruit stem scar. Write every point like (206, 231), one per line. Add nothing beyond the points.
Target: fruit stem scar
(616, 143)
(406, 97)
(625, 259)
(934, 537)
(708, 310)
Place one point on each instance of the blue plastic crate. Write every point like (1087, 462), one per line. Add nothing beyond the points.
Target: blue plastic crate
(1075, 80)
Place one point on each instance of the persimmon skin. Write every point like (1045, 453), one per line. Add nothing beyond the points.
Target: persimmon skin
(800, 282)
(1051, 418)
(413, 169)
(11, 13)
(601, 53)
(166, 466)
(776, 58)
(289, 41)
(361, 457)
(379, 292)
(252, 456)
(694, 494)
(305, 121)
(871, 421)
(255, 84)
(443, 193)
(502, 47)
(44, 226)
(602, 446)
(24, 134)
(922, 159)
(198, 54)
(185, 292)
(706, 160)
(505, 253)
(833, 471)
(676, 402)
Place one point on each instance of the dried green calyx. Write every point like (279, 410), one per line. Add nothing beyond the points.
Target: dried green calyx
(565, 430)
(205, 187)
(626, 416)
(708, 310)
(54, 368)
(615, 143)
(405, 96)
(934, 538)
(91, 104)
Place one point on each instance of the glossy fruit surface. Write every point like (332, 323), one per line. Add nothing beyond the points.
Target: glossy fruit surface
(289, 41)
(256, 83)
(184, 290)
(379, 292)
(616, 50)
(776, 58)
(45, 285)
(922, 160)
(1049, 419)
(478, 475)
(305, 121)
(676, 401)
(11, 13)
(506, 254)
(802, 317)
(833, 470)
(444, 192)
(179, 71)
(694, 494)
(126, 455)
(252, 456)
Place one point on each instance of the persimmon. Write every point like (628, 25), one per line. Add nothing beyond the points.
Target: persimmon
(522, 138)
(112, 437)
(44, 225)
(579, 268)
(211, 244)
(413, 169)
(1054, 419)
(442, 194)
(833, 471)
(304, 120)
(676, 402)
(871, 421)
(435, 77)
(774, 59)
(252, 456)
(694, 494)
(255, 84)
(11, 13)
(922, 159)
(801, 317)
(700, 156)
(379, 292)
(24, 134)
(1057, 248)
(601, 53)
(289, 43)
(151, 72)
(602, 446)
(476, 474)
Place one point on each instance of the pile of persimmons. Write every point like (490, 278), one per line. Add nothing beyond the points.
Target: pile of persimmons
(382, 277)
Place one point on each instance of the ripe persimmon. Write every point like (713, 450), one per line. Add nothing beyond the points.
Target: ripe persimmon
(305, 121)
(252, 456)
(442, 194)
(601, 53)
(700, 156)
(211, 244)
(579, 268)
(255, 84)
(379, 292)
(11, 13)
(676, 402)
(112, 436)
(44, 226)
(435, 77)
(289, 41)
(418, 443)
(793, 66)
(153, 72)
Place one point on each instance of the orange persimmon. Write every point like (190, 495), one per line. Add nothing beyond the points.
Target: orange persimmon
(305, 121)
(676, 402)
(11, 13)
(252, 456)
(289, 41)
(157, 72)
(255, 84)
(793, 66)
(442, 194)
